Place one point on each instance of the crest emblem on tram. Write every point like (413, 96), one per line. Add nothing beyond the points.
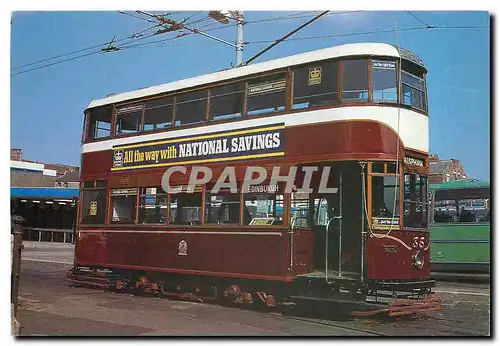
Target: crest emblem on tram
(118, 158)
(183, 248)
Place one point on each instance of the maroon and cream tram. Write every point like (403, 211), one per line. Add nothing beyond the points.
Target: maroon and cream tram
(359, 110)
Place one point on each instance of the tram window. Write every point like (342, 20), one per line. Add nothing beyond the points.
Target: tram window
(226, 101)
(315, 85)
(391, 168)
(185, 208)
(415, 201)
(263, 209)
(100, 122)
(101, 183)
(222, 208)
(158, 114)
(152, 205)
(191, 108)
(413, 90)
(128, 119)
(384, 193)
(354, 81)
(378, 167)
(123, 205)
(300, 210)
(94, 207)
(384, 81)
(266, 95)
(88, 184)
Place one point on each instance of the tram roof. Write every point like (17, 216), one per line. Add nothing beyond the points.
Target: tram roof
(43, 192)
(352, 49)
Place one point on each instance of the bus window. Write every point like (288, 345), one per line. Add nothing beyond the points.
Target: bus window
(128, 119)
(158, 114)
(263, 209)
(384, 81)
(123, 205)
(315, 85)
(354, 81)
(266, 95)
(185, 208)
(222, 208)
(100, 122)
(152, 205)
(415, 201)
(226, 101)
(191, 107)
(445, 211)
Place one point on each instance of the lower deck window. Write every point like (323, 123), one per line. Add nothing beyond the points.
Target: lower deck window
(185, 208)
(299, 210)
(152, 206)
(94, 207)
(415, 201)
(222, 208)
(263, 210)
(123, 205)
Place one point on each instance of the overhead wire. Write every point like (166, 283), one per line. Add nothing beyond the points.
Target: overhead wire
(83, 49)
(134, 37)
(370, 32)
(420, 20)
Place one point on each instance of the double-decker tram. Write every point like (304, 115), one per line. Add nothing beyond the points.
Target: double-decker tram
(299, 180)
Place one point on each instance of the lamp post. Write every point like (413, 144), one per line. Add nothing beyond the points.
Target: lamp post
(223, 17)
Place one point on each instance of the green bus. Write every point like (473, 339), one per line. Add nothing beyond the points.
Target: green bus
(460, 227)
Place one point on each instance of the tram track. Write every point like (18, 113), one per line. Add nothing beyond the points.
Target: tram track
(430, 323)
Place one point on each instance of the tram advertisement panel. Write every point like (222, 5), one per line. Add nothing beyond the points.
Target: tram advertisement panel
(248, 143)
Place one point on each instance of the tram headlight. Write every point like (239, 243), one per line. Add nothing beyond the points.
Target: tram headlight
(418, 260)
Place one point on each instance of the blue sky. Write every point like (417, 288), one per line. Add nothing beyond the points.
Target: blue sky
(47, 104)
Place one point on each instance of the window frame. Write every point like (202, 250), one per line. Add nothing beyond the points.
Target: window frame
(140, 205)
(425, 193)
(110, 209)
(369, 188)
(93, 188)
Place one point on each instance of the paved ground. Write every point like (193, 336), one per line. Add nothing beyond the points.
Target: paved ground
(49, 307)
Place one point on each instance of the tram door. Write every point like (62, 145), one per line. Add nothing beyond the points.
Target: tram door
(327, 232)
(337, 225)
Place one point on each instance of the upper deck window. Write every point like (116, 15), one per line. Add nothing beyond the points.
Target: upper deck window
(191, 108)
(354, 81)
(226, 101)
(99, 122)
(266, 95)
(384, 81)
(128, 119)
(158, 114)
(315, 85)
(413, 90)
(413, 85)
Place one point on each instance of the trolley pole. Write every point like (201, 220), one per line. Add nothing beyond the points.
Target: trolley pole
(239, 38)
(17, 247)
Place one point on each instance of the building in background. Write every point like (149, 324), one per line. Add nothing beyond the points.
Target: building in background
(445, 170)
(26, 173)
(45, 195)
